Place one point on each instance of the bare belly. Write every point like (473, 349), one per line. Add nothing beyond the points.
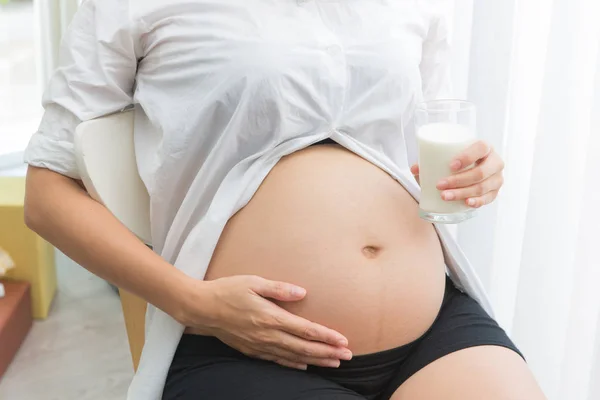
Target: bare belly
(343, 229)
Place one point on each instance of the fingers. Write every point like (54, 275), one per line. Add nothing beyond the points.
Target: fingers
(291, 357)
(476, 190)
(472, 154)
(262, 329)
(259, 350)
(293, 352)
(415, 169)
(290, 364)
(309, 350)
(490, 166)
(281, 361)
(305, 329)
(476, 202)
(277, 290)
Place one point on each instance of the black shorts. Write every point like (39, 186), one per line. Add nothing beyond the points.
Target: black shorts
(205, 368)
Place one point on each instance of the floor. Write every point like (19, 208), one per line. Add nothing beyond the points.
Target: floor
(80, 352)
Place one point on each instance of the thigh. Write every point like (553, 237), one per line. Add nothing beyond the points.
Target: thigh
(236, 380)
(482, 372)
(205, 368)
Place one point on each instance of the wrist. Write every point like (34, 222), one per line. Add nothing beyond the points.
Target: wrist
(195, 303)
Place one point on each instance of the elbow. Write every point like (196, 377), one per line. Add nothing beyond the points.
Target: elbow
(31, 217)
(32, 206)
(45, 193)
(31, 213)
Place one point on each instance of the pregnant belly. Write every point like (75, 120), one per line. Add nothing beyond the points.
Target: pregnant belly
(343, 229)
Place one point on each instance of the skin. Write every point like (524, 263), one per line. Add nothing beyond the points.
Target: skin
(484, 372)
(59, 210)
(239, 307)
(351, 236)
(244, 311)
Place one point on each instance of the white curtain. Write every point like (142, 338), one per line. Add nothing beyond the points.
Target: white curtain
(533, 69)
(53, 17)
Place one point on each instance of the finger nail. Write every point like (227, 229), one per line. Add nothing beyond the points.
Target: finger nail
(303, 367)
(455, 165)
(298, 291)
(448, 196)
(333, 363)
(443, 184)
(346, 355)
(342, 342)
(471, 202)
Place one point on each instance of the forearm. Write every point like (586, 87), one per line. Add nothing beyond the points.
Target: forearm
(60, 211)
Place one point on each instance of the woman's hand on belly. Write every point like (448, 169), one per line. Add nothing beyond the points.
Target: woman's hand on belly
(239, 313)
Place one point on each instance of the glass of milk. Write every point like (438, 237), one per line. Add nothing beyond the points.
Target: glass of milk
(444, 129)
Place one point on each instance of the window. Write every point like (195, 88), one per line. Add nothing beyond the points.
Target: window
(20, 91)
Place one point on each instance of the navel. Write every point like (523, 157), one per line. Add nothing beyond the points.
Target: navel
(371, 251)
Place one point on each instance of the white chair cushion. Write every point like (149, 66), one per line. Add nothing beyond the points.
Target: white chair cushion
(105, 156)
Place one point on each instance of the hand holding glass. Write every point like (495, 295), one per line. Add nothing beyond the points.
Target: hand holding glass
(445, 128)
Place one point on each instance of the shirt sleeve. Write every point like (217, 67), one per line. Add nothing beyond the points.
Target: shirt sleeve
(95, 77)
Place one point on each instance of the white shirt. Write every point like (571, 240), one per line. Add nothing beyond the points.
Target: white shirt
(223, 89)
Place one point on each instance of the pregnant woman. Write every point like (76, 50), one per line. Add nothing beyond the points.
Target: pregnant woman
(275, 138)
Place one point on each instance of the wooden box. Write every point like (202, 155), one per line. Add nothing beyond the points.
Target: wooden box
(15, 320)
(33, 256)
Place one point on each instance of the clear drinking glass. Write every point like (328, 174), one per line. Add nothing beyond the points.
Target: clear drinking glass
(444, 128)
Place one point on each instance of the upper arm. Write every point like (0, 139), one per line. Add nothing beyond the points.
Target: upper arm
(95, 76)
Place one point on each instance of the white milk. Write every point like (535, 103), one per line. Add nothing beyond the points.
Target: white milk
(439, 143)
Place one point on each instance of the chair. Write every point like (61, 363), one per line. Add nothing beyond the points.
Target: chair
(106, 160)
